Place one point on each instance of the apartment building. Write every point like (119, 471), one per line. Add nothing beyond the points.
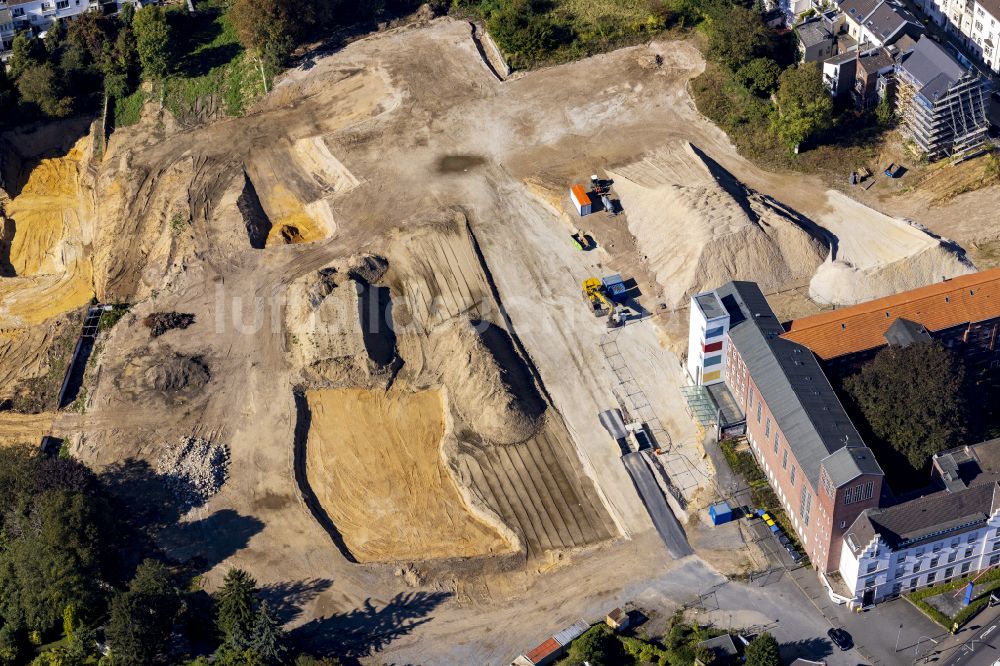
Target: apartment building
(873, 23)
(976, 23)
(933, 539)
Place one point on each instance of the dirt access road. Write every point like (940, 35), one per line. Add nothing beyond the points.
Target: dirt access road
(350, 152)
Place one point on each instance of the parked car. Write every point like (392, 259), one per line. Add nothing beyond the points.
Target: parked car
(840, 638)
(795, 555)
(784, 541)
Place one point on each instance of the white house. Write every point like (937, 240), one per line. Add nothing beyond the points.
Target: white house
(878, 22)
(37, 16)
(707, 329)
(933, 539)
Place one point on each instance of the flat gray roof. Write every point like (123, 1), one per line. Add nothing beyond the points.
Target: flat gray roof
(710, 305)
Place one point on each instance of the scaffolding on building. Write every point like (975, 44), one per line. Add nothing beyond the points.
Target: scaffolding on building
(954, 124)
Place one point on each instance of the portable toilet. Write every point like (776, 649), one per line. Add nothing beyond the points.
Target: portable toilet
(580, 199)
(720, 513)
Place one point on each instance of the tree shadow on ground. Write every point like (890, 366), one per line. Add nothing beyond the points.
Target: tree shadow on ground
(153, 507)
(813, 649)
(365, 631)
(287, 599)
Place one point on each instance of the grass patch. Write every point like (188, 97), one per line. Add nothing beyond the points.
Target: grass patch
(128, 110)
(676, 649)
(986, 583)
(211, 62)
(542, 32)
(742, 462)
(111, 317)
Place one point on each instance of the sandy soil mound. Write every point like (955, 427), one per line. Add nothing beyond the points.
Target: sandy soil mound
(373, 461)
(875, 255)
(699, 227)
(45, 229)
(334, 330)
(173, 377)
(488, 382)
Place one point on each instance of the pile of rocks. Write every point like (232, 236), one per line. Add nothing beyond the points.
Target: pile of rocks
(194, 468)
(159, 323)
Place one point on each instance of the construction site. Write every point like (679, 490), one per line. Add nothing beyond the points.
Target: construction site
(419, 329)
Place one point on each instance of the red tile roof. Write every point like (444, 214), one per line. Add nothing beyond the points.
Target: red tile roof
(543, 650)
(967, 298)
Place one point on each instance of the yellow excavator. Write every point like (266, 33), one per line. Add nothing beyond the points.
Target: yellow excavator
(602, 306)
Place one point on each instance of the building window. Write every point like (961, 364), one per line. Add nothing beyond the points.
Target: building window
(916, 567)
(952, 557)
(896, 589)
(930, 577)
(793, 475)
(750, 397)
(934, 561)
(759, 411)
(913, 584)
(972, 538)
(767, 428)
(714, 332)
(784, 465)
(775, 443)
(871, 567)
(17, 11)
(859, 493)
(937, 547)
(994, 560)
(968, 552)
(805, 506)
(954, 542)
(870, 582)
(62, 4)
(949, 572)
(996, 545)
(965, 567)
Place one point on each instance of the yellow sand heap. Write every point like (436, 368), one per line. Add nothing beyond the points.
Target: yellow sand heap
(292, 222)
(53, 272)
(373, 460)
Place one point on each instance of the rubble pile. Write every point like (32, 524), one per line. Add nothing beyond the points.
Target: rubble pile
(159, 323)
(194, 468)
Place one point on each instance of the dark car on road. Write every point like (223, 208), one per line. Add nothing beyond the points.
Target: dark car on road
(840, 638)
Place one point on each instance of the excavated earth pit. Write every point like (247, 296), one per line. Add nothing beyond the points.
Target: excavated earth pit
(374, 464)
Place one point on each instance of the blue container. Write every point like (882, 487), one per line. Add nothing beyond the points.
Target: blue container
(720, 513)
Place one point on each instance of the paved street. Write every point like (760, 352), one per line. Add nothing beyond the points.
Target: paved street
(979, 644)
(663, 518)
(890, 633)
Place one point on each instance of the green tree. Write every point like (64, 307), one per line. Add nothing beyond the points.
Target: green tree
(152, 41)
(760, 76)
(884, 112)
(52, 558)
(805, 107)
(25, 51)
(591, 647)
(912, 399)
(235, 613)
(763, 651)
(737, 35)
(55, 36)
(142, 616)
(40, 85)
(268, 638)
(266, 30)
(705, 655)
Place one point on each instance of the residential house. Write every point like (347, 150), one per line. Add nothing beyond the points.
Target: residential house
(839, 72)
(727, 650)
(871, 65)
(874, 23)
(37, 16)
(816, 39)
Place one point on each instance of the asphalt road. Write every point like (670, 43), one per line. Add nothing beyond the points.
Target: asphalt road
(981, 649)
(652, 497)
